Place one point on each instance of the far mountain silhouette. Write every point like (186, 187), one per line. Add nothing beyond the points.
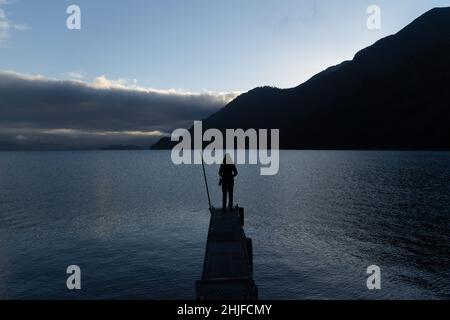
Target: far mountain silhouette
(394, 94)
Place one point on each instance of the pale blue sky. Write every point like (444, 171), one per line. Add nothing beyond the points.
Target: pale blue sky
(213, 45)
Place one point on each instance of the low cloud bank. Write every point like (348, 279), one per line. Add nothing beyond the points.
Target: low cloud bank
(41, 113)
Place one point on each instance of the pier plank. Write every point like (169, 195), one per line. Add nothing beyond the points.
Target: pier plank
(227, 268)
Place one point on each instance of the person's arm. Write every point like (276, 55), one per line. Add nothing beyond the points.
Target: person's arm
(235, 173)
(221, 170)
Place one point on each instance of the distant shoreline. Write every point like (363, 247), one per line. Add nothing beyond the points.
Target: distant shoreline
(148, 149)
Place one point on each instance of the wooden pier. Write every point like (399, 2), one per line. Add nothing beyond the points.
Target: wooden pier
(228, 264)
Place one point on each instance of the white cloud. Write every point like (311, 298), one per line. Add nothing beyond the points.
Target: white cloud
(21, 27)
(102, 82)
(6, 25)
(72, 132)
(23, 76)
(75, 75)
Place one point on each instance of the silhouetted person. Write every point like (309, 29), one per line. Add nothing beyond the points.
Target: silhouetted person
(227, 173)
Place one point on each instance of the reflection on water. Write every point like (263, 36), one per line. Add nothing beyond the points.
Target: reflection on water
(137, 225)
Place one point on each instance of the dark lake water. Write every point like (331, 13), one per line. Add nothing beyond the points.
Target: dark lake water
(136, 224)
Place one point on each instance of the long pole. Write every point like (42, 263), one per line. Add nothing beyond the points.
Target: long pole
(206, 181)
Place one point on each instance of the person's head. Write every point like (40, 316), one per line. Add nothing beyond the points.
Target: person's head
(227, 159)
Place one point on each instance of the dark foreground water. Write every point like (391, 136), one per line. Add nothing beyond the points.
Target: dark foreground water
(137, 225)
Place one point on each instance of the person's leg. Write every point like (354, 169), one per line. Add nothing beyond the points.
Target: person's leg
(230, 195)
(224, 197)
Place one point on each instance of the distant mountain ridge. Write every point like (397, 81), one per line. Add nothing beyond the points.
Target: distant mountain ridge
(394, 94)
